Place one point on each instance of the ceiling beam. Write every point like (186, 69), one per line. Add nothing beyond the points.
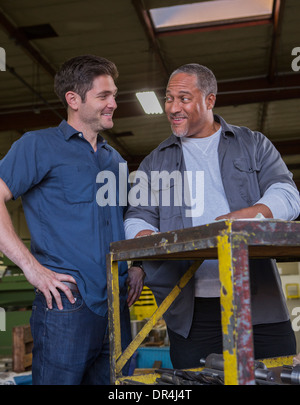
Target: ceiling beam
(32, 89)
(277, 19)
(40, 116)
(213, 27)
(278, 11)
(262, 116)
(236, 92)
(22, 41)
(256, 90)
(26, 120)
(289, 147)
(149, 30)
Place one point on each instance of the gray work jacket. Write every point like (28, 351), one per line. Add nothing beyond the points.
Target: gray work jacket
(249, 164)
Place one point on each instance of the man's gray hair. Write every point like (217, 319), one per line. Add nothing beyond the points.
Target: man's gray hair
(207, 81)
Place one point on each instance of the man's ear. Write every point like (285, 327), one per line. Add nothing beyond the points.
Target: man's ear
(210, 101)
(72, 99)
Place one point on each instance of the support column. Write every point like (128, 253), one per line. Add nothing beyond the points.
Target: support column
(236, 310)
(113, 315)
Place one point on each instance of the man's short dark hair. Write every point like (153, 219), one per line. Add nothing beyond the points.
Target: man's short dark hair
(78, 74)
(207, 81)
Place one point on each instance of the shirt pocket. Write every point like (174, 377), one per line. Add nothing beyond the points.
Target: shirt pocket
(246, 176)
(78, 183)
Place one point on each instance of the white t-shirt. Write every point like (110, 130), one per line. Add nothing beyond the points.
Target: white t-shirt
(201, 154)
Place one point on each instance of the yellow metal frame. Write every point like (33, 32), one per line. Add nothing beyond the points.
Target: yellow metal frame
(227, 302)
(119, 360)
(292, 296)
(231, 248)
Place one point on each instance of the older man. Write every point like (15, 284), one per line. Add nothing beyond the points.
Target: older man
(234, 173)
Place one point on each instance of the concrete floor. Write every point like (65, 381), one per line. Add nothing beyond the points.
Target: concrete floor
(294, 309)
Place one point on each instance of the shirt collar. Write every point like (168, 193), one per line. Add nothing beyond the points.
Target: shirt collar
(68, 131)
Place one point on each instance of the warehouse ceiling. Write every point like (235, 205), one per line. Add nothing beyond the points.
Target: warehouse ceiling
(255, 62)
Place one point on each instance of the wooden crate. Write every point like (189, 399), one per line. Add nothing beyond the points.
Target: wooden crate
(22, 348)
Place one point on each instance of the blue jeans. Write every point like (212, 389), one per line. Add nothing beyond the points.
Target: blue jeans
(71, 346)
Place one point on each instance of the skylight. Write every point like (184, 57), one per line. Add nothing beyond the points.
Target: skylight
(209, 13)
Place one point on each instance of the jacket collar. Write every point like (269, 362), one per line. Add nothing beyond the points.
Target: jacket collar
(227, 129)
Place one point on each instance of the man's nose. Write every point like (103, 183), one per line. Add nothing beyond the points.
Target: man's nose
(112, 103)
(175, 106)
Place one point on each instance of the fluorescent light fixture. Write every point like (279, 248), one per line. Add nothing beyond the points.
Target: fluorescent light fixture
(149, 102)
(209, 13)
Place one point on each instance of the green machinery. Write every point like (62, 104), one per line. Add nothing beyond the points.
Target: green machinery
(16, 297)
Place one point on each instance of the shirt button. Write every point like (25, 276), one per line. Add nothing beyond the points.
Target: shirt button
(80, 135)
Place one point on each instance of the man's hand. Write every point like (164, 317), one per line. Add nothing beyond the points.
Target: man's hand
(145, 232)
(249, 212)
(49, 282)
(135, 282)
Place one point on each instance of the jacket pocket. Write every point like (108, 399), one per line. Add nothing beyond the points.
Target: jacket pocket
(245, 165)
(246, 176)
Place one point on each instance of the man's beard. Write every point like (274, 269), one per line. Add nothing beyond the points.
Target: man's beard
(180, 133)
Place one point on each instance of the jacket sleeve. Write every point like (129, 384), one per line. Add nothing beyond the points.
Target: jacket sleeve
(283, 201)
(142, 202)
(272, 167)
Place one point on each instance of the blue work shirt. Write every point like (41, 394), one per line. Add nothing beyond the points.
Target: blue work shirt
(55, 172)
